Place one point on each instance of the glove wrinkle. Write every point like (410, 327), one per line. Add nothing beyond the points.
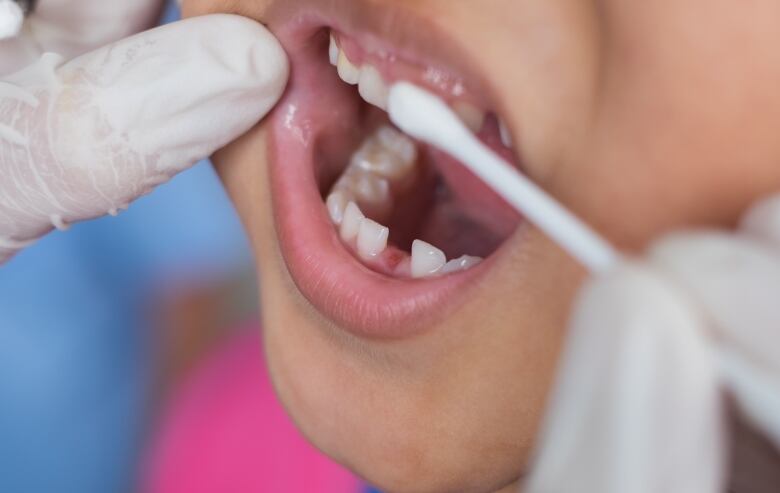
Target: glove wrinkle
(84, 138)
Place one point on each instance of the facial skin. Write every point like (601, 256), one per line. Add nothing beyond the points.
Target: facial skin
(641, 117)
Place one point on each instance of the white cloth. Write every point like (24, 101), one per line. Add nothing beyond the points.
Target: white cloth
(82, 138)
(654, 349)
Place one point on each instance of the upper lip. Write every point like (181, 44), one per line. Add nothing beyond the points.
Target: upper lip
(361, 301)
(415, 38)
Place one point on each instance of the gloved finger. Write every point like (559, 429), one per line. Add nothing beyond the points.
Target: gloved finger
(85, 138)
(636, 405)
(11, 18)
(73, 27)
(736, 280)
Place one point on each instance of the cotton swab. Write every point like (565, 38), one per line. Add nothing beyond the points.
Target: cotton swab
(428, 118)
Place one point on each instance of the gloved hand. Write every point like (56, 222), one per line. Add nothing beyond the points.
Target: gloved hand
(654, 348)
(83, 138)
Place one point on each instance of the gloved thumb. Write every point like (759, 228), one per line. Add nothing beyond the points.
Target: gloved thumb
(84, 138)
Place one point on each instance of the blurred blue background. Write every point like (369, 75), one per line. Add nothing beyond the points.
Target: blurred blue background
(77, 345)
(101, 331)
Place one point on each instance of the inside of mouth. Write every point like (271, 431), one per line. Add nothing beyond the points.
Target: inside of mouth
(403, 209)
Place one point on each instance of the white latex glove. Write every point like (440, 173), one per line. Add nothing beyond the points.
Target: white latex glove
(85, 137)
(654, 347)
(74, 27)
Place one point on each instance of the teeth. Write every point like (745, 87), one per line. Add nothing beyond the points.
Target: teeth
(372, 191)
(372, 87)
(382, 162)
(348, 72)
(463, 263)
(333, 51)
(371, 188)
(398, 143)
(350, 223)
(336, 203)
(374, 173)
(427, 260)
(371, 239)
(506, 137)
(473, 117)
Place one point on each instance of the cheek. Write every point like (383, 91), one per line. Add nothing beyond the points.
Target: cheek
(680, 114)
(255, 9)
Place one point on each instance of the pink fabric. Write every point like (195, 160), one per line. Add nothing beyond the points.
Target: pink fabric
(225, 432)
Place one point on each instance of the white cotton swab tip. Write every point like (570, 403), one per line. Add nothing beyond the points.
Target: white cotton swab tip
(11, 19)
(428, 118)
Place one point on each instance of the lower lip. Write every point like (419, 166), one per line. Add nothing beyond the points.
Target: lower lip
(351, 295)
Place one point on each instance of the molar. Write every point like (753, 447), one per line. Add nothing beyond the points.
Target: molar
(368, 190)
(427, 260)
(372, 239)
(379, 160)
(470, 115)
(398, 143)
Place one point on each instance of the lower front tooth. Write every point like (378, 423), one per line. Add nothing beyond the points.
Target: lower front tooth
(336, 203)
(350, 223)
(371, 239)
(462, 263)
(427, 260)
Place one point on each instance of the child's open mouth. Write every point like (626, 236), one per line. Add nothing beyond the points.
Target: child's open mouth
(380, 233)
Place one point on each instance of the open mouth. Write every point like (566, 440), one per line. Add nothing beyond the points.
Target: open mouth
(380, 233)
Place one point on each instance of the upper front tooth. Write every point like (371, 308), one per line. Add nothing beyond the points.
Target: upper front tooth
(371, 239)
(333, 51)
(473, 117)
(506, 136)
(427, 260)
(350, 223)
(461, 263)
(348, 72)
(372, 87)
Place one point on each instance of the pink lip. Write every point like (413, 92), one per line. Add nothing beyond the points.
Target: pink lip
(362, 301)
